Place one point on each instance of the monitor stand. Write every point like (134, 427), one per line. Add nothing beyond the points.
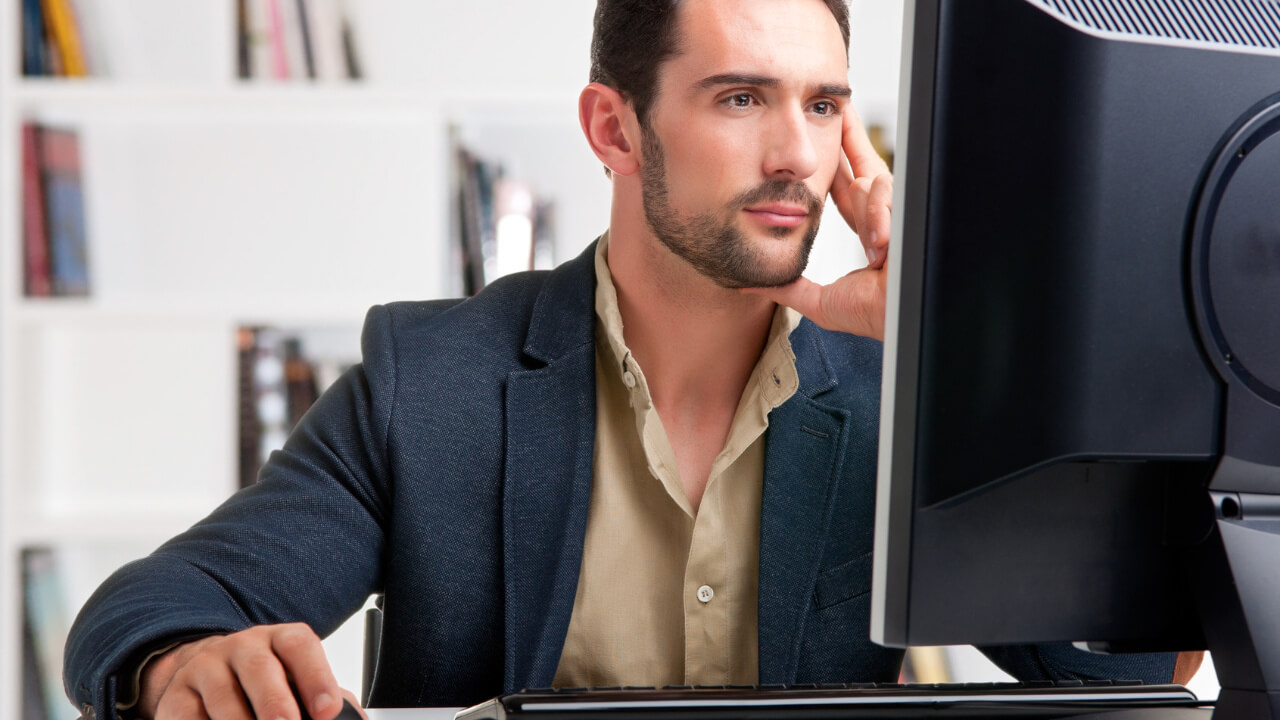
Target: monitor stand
(1239, 591)
(1234, 277)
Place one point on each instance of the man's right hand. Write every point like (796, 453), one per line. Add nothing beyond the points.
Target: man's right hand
(243, 676)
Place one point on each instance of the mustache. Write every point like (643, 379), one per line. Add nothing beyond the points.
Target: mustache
(779, 191)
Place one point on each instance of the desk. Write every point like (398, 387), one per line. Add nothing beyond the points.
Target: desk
(413, 714)
(1147, 714)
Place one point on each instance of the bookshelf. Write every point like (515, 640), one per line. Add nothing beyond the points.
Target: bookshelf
(214, 203)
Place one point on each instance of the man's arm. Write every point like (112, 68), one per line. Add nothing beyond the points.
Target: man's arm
(303, 545)
(1062, 661)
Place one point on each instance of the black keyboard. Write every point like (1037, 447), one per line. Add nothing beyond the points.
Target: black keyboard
(853, 700)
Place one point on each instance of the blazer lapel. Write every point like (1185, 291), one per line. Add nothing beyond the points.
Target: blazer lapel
(550, 443)
(803, 455)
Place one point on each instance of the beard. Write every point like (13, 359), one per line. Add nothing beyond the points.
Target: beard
(715, 246)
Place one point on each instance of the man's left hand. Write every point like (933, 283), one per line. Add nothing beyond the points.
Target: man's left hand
(863, 193)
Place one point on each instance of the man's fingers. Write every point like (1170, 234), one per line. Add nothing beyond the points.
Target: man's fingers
(302, 655)
(863, 158)
(853, 304)
(804, 296)
(184, 705)
(218, 688)
(264, 682)
(877, 222)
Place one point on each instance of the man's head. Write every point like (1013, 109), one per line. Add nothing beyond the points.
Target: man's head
(632, 38)
(735, 127)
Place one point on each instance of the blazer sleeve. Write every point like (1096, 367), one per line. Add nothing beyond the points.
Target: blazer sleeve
(1062, 661)
(304, 544)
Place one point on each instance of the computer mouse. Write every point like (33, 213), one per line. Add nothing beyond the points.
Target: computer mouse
(348, 712)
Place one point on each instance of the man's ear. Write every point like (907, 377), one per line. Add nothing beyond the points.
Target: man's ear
(610, 124)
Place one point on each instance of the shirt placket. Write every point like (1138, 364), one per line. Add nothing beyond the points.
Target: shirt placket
(707, 595)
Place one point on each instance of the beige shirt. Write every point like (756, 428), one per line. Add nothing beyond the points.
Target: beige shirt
(668, 596)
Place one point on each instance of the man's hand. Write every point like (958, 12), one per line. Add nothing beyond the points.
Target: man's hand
(243, 676)
(863, 193)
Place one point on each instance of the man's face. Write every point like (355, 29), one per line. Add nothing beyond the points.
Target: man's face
(743, 139)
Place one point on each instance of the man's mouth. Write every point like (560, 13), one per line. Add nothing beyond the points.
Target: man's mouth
(779, 214)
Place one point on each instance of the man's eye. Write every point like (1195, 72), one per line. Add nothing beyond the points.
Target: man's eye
(741, 100)
(824, 108)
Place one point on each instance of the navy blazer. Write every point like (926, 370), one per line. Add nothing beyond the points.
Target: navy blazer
(451, 472)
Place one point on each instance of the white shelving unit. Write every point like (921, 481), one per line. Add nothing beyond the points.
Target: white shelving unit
(213, 203)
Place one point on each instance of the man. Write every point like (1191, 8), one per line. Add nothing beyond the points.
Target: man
(637, 469)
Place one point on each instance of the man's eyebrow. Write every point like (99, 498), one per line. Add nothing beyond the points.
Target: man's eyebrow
(738, 79)
(714, 81)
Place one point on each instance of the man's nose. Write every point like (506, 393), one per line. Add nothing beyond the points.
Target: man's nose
(789, 147)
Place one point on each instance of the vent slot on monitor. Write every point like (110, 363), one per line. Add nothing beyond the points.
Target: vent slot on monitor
(1247, 23)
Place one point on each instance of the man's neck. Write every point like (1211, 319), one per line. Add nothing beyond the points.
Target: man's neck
(696, 341)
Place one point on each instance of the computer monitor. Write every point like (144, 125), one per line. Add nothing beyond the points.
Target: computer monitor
(1080, 434)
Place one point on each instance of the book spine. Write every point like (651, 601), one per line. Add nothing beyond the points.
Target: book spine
(64, 208)
(304, 27)
(270, 392)
(291, 24)
(33, 40)
(244, 66)
(66, 36)
(349, 50)
(45, 611)
(544, 235)
(53, 63)
(279, 51)
(325, 20)
(250, 433)
(260, 42)
(33, 706)
(35, 234)
(300, 381)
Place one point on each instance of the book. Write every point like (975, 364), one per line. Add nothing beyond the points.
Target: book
(244, 66)
(66, 36)
(470, 219)
(279, 51)
(350, 52)
(37, 281)
(324, 17)
(299, 381)
(502, 226)
(279, 382)
(59, 151)
(45, 615)
(544, 235)
(292, 35)
(250, 433)
(304, 25)
(296, 40)
(33, 706)
(270, 402)
(259, 39)
(34, 50)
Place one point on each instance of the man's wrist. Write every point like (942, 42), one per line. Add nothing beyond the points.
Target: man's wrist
(154, 674)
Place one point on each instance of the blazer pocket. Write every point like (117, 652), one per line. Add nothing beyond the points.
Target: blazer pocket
(842, 582)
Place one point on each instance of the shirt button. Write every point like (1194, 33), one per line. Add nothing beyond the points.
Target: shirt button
(705, 593)
(628, 379)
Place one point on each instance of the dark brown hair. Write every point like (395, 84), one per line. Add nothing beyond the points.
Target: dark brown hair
(632, 38)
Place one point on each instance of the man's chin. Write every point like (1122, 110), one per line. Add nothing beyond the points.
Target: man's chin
(764, 275)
